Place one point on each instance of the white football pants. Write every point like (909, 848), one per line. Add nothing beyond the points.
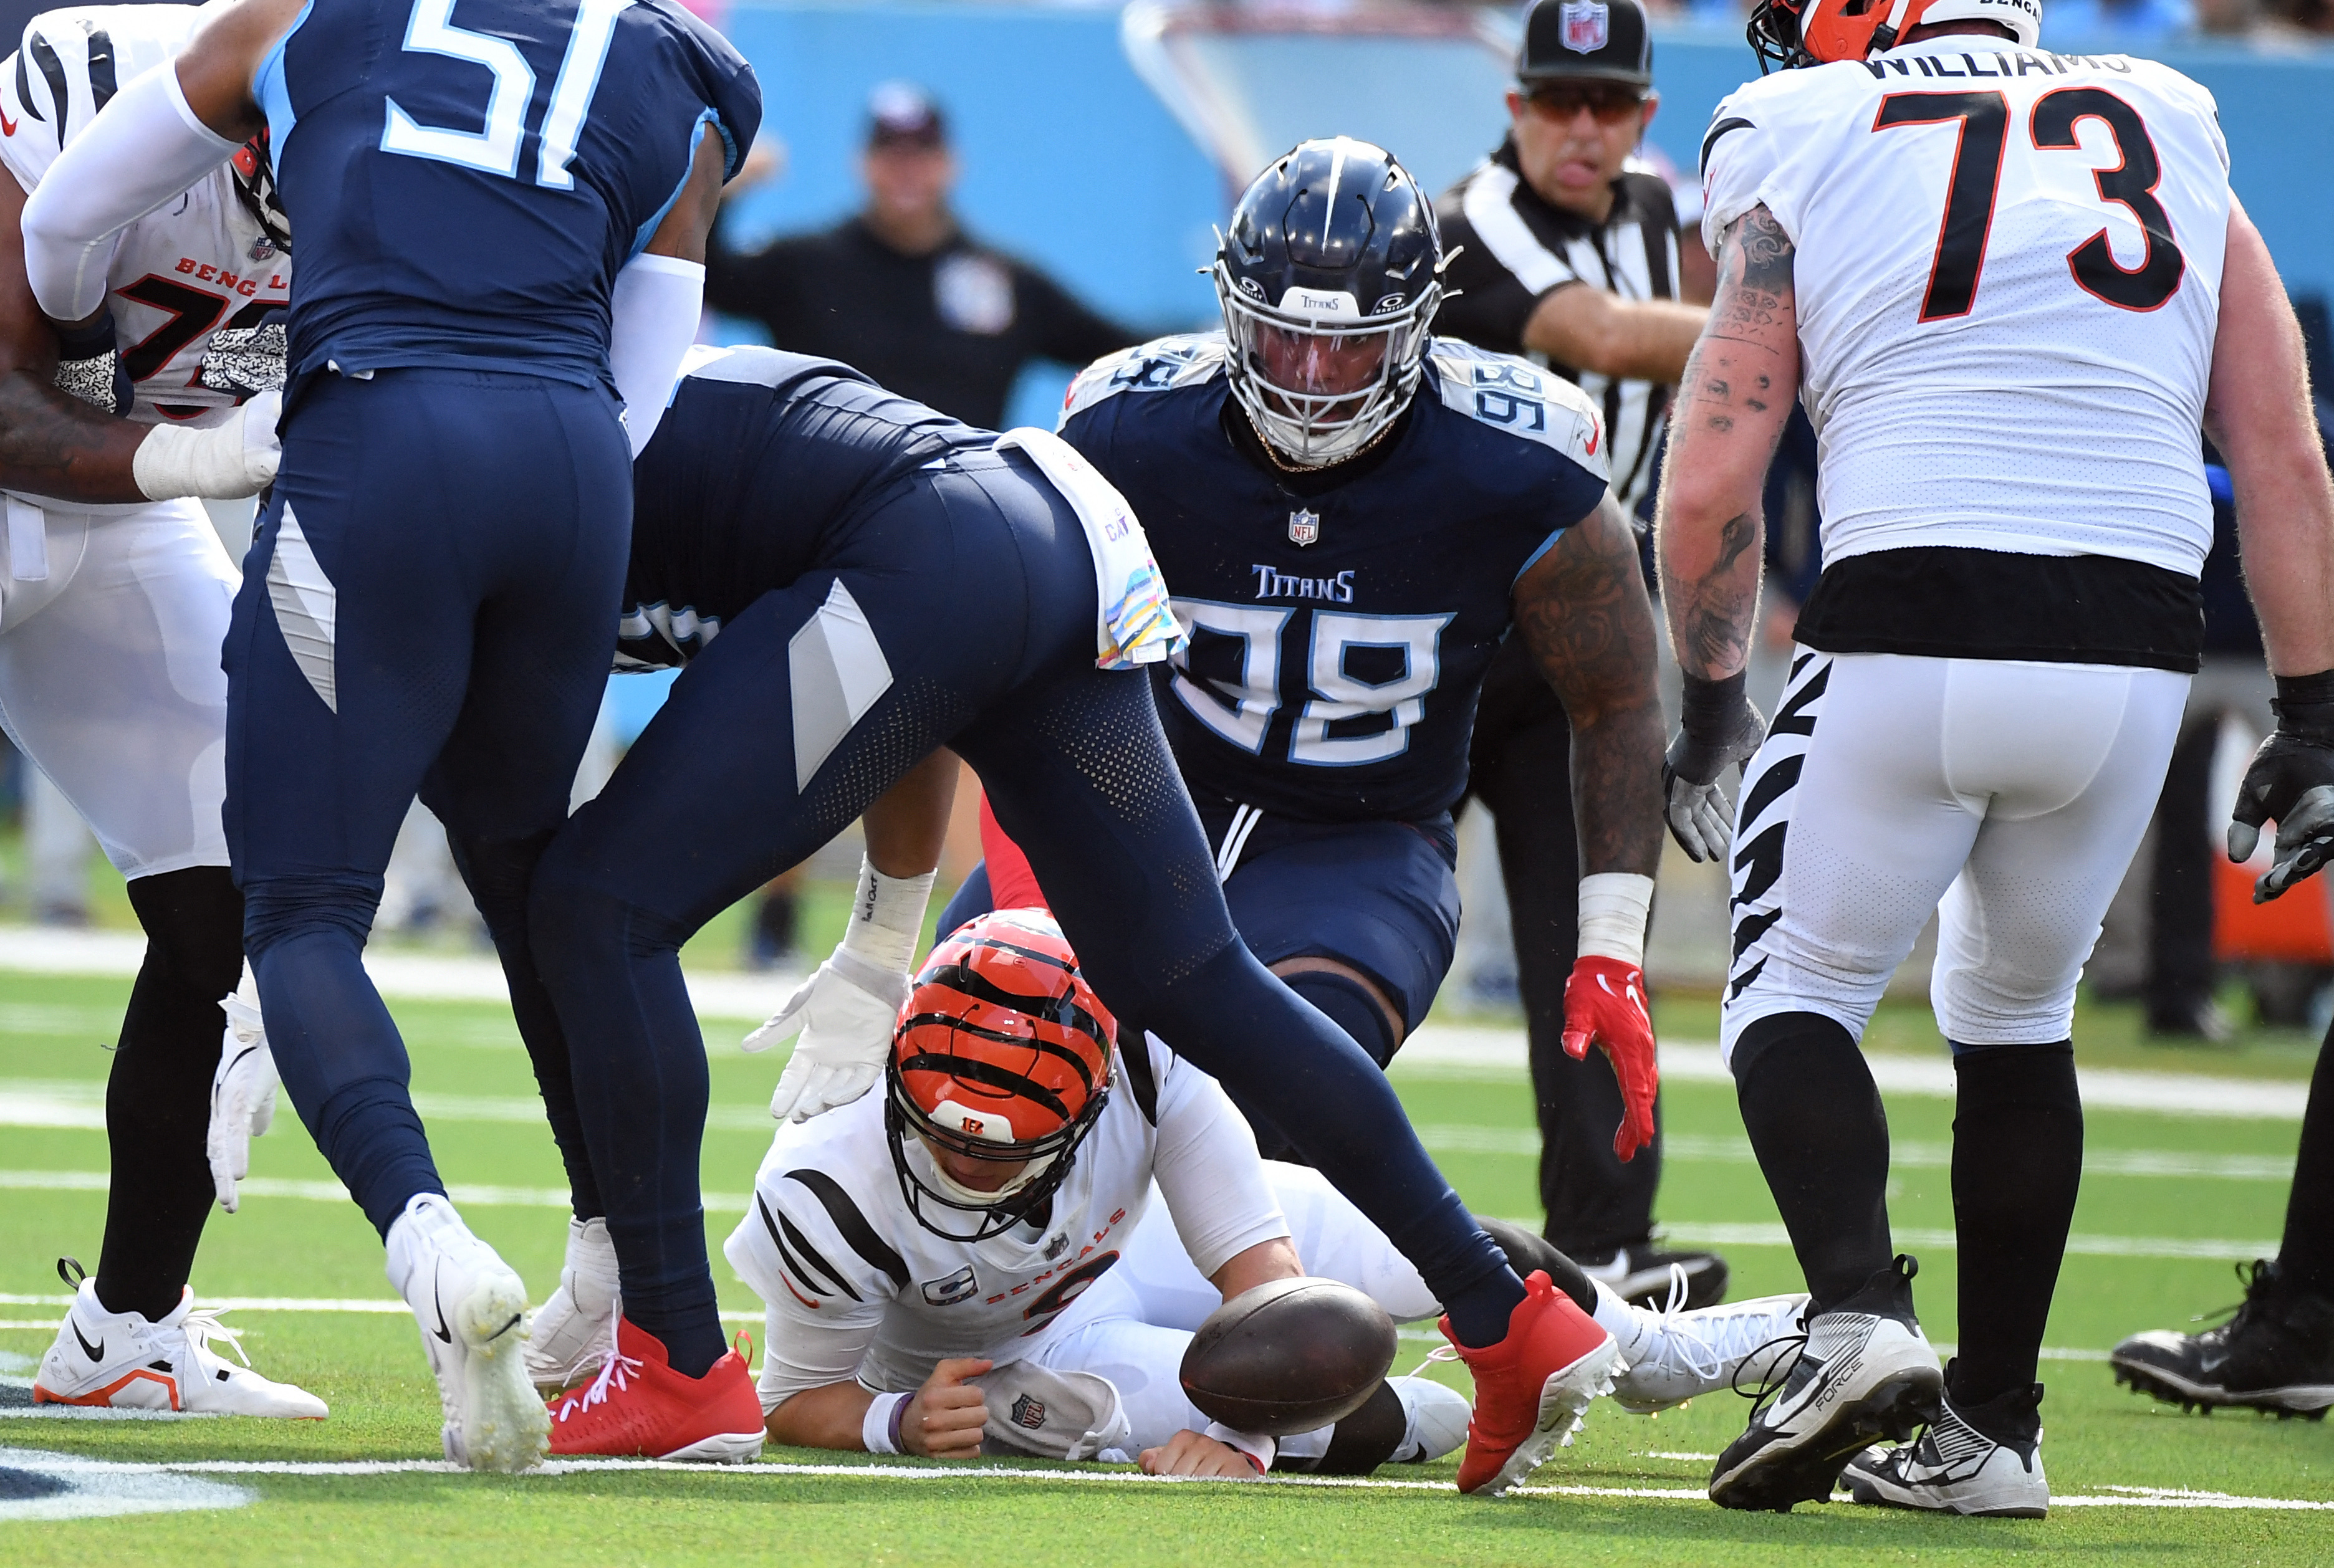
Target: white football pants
(1132, 1324)
(111, 628)
(2008, 797)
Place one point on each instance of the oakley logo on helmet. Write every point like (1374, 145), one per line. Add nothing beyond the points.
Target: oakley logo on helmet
(1587, 25)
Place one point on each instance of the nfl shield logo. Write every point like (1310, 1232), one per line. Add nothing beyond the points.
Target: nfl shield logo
(1028, 1412)
(1584, 26)
(1304, 527)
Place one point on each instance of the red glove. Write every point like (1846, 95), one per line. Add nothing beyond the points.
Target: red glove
(1605, 1004)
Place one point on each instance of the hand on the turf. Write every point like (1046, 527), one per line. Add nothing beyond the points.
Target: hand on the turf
(1604, 1006)
(1694, 805)
(2289, 781)
(943, 1421)
(243, 1097)
(845, 1014)
(1190, 1453)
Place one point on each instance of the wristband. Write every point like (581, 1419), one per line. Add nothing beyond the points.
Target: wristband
(1257, 1450)
(1614, 907)
(1709, 703)
(173, 461)
(879, 1429)
(2305, 704)
(887, 918)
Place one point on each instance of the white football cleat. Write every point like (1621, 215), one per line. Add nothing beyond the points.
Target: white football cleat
(1677, 1354)
(472, 1312)
(1954, 1468)
(127, 1362)
(571, 1331)
(1435, 1417)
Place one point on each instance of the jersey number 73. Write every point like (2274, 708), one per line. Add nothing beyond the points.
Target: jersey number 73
(1977, 175)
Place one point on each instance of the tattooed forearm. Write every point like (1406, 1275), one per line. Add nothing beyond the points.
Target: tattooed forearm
(55, 444)
(1583, 613)
(1737, 392)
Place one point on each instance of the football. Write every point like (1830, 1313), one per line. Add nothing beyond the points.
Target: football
(1288, 1356)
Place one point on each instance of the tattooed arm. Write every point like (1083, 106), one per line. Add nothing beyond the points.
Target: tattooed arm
(51, 444)
(1737, 395)
(1583, 612)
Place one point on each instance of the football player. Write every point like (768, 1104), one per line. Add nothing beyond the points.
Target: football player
(1352, 516)
(968, 1260)
(113, 602)
(2010, 286)
(502, 226)
(856, 581)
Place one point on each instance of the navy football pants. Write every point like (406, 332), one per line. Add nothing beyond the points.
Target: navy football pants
(429, 607)
(975, 583)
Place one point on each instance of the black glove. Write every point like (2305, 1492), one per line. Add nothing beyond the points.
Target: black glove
(88, 367)
(248, 361)
(1719, 729)
(2291, 781)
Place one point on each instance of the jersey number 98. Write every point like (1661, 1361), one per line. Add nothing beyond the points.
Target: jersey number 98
(1240, 710)
(494, 149)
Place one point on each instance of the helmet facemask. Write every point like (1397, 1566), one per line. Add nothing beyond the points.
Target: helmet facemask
(1303, 373)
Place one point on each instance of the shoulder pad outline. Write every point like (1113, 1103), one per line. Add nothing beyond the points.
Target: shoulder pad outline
(1160, 365)
(1518, 399)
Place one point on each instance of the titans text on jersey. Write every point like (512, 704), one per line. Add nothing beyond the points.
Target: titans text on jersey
(1339, 635)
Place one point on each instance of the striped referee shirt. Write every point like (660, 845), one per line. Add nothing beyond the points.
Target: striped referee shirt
(1518, 249)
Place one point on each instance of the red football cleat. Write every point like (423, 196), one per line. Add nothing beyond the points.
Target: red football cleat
(639, 1407)
(1530, 1387)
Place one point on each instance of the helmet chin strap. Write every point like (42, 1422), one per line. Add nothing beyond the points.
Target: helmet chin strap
(1884, 37)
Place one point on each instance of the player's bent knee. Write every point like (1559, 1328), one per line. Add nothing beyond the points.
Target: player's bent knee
(193, 921)
(1351, 1001)
(1789, 1033)
(279, 909)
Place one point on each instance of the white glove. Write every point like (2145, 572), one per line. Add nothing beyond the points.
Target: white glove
(223, 462)
(242, 1094)
(845, 1014)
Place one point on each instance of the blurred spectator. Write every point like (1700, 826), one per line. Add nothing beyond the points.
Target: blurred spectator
(1568, 250)
(900, 290)
(2117, 23)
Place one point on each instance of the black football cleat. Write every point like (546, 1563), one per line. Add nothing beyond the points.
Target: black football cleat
(1646, 1277)
(2276, 1354)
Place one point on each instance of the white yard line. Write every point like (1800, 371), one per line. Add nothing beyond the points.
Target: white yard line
(2113, 1497)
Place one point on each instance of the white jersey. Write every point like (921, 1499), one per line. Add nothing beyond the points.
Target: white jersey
(2007, 278)
(182, 271)
(858, 1287)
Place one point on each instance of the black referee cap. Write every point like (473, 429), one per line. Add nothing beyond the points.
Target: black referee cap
(1586, 40)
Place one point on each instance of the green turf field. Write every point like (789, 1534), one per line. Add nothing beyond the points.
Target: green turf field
(2174, 1200)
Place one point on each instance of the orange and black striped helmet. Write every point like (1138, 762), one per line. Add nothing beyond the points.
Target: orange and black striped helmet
(1002, 1054)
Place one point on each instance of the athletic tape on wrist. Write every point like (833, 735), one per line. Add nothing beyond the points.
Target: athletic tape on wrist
(1707, 705)
(174, 461)
(887, 917)
(879, 1429)
(2305, 704)
(1260, 1450)
(1613, 906)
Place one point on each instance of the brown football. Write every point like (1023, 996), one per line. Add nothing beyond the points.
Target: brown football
(1288, 1356)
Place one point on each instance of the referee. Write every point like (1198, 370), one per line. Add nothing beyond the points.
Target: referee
(1569, 254)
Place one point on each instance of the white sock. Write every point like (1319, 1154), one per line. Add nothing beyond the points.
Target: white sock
(1616, 1317)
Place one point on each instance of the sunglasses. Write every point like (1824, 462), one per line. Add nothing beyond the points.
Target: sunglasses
(1610, 101)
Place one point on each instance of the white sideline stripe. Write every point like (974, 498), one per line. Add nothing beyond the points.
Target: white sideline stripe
(1443, 1049)
(276, 1304)
(2116, 1498)
(1691, 1148)
(80, 1105)
(1714, 1235)
(411, 976)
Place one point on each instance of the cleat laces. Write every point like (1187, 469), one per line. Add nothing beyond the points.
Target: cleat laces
(617, 1370)
(204, 1330)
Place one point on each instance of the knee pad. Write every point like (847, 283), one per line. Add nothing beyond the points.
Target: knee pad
(282, 908)
(193, 921)
(1792, 1032)
(1351, 1006)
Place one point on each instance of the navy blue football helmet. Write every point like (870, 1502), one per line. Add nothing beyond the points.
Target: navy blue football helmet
(1329, 280)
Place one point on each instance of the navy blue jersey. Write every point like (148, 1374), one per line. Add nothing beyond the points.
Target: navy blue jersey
(754, 471)
(1339, 635)
(468, 179)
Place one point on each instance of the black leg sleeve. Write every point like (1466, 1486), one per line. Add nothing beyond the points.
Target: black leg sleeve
(2306, 1258)
(1821, 1135)
(2180, 971)
(157, 1097)
(2017, 1163)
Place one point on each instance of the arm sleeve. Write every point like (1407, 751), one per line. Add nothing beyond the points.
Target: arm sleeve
(658, 300)
(1066, 330)
(1207, 1166)
(145, 147)
(1741, 169)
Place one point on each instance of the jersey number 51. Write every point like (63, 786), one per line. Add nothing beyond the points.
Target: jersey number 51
(494, 149)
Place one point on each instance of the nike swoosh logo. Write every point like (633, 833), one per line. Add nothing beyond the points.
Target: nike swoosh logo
(439, 1303)
(95, 1352)
(7, 126)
